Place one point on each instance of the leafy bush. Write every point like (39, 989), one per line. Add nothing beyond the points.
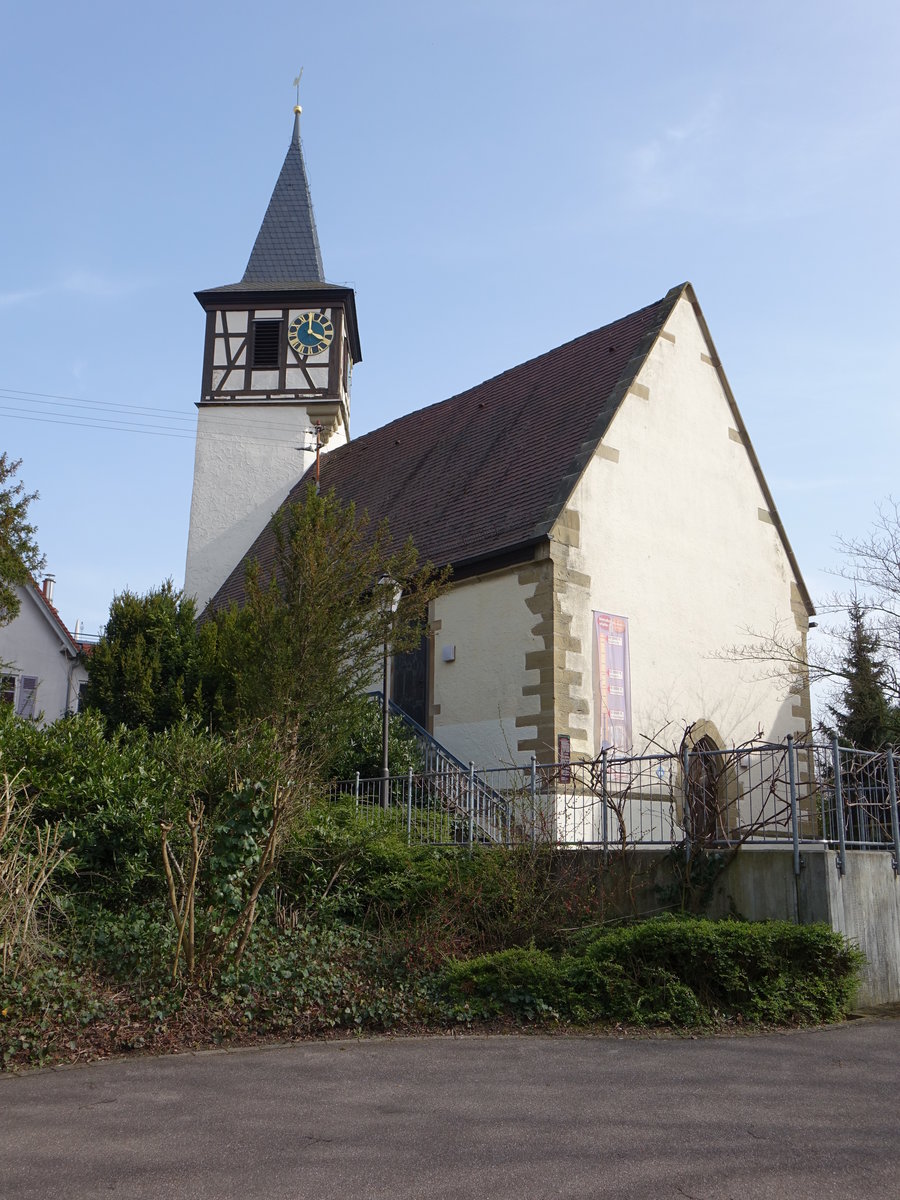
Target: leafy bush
(106, 792)
(109, 791)
(360, 869)
(340, 865)
(154, 663)
(129, 946)
(358, 744)
(669, 971)
(524, 983)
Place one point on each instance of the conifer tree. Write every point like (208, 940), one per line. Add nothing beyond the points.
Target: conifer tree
(309, 638)
(149, 666)
(20, 558)
(862, 715)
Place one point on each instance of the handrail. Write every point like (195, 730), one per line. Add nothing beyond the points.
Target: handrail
(491, 828)
(423, 733)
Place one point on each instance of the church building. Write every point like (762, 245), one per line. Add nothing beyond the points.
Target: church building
(609, 528)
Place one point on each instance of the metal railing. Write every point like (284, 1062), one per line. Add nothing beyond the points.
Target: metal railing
(452, 785)
(787, 794)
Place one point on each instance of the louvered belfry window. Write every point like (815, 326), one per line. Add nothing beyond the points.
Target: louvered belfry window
(266, 343)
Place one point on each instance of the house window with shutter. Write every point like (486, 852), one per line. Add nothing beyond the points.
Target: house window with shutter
(7, 689)
(27, 696)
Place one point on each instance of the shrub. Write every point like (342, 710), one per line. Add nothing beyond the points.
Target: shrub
(109, 791)
(358, 744)
(153, 663)
(106, 793)
(517, 982)
(670, 971)
(360, 869)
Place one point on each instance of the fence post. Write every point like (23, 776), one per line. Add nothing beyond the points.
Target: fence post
(533, 799)
(795, 825)
(605, 813)
(409, 795)
(471, 805)
(839, 807)
(356, 791)
(685, 802)
(895, 821)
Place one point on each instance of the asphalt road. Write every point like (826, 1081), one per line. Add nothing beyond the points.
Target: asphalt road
(808, 1114)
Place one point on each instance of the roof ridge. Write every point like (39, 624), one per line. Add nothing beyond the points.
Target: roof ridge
(510, 371)
(51, 610)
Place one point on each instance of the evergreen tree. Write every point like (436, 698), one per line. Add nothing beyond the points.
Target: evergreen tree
(20, 559)
(863, 716)
(309, 638)
(149, 666)
(296, 657)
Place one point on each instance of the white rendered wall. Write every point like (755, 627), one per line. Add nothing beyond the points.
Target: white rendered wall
(247, 459)
(480, 694)
(672, 537)
(29, 645)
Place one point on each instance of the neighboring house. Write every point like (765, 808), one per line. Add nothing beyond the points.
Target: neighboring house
(41, 674)
(610, 530)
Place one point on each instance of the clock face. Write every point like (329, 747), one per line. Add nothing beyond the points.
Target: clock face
(310, 333)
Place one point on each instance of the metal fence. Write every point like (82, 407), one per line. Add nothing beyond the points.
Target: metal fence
(788, 793)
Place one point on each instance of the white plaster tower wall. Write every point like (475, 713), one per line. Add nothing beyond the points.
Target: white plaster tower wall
(248, 457)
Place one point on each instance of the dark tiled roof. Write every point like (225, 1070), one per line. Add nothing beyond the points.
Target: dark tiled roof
(278, 285)
(489, 470)
(287, 246)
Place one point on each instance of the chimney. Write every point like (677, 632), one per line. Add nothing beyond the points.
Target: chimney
(47, 587)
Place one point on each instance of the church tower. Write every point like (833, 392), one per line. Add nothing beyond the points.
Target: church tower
(280, 347)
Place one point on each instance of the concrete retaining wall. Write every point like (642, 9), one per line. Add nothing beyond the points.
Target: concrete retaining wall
(863, 903)
(759, 885)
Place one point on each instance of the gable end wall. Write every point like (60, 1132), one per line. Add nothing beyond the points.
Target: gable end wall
(668, 527)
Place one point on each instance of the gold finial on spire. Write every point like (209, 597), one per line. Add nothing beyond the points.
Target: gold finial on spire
(297, 108)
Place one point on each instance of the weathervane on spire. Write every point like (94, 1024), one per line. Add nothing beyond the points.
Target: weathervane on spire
(297, 107)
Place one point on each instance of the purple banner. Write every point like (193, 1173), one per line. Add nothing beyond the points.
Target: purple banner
(612, 683)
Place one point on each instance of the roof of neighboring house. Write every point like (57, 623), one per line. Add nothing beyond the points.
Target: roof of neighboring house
(37, 595)
(487, 472)
(287, 245)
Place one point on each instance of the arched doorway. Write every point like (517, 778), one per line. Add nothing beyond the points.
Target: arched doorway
(706, 767)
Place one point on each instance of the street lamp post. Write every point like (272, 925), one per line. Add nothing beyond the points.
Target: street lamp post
(391, 594)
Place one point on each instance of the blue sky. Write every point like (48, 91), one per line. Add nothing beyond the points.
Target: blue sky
(493, 178)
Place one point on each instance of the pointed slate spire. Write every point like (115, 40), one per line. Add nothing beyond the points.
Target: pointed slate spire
(287, 246)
